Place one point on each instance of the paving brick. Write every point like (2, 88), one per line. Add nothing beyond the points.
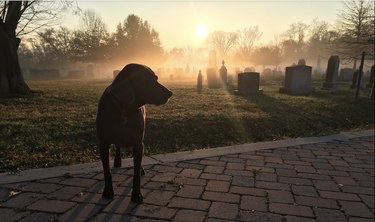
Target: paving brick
(329, 215)
(223, 210)
(190, 191)
(338, 195)
(250, 156)
(8, 215)
(66, 193)
(368, 200)
(281, 208)
(190, 216)
(157, 197)
(93, 198)
(248, 191)
(295, 181)
(279, 166)
(273, 159)
(254, 216)
(297, 162)
(190, 181)
(253, 203)
(186, 203)
(358, 190)
(41, 187)
(338, 163)
(196, 166)
(333, 173)
(110, 217)
(260, 169)
(243, 181)
(314, 176)
(289, 218)
(164, 177)
(316, 202)
(212, 162)
(279, 196)
(39, 216)
(191, 173)
(235, 166)
(214, 169)
(167, 169)
(156, 212)
(120, 205)
(345, 181)
(244, 173)
(304, 169)
(271, 185)
(232, 159)
(161, 186)
(210, 176)
(304, 190)
(78, 182)
(266, 177)
(81, 212)
(356, 209)
(250, 163)
(322, 166)
(325, 185)
(217, 185)
(286, 172)
(222, 197)
(357, 219)
(52, 206)
(22, 200)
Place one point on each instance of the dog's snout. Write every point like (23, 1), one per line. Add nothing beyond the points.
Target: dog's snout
(169, 93)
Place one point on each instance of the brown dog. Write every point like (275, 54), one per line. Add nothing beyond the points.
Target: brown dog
(121, 119)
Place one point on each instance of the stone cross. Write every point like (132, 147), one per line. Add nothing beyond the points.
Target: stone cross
(199, 82)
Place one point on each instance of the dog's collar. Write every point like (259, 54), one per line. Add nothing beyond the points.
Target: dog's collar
(128, 110)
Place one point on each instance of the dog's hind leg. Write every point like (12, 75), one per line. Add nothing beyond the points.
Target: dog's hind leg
(117, 161)
(104, 155)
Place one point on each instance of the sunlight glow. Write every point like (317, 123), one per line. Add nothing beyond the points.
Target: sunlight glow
(201, 31)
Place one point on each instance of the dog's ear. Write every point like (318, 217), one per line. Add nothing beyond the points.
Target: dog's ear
(124, 93)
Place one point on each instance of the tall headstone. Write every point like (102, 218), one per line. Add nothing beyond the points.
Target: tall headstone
(371, 80)
(297, 80)
(346, 74)
(248, 83)
(200, 82)
(332, 73)
(224, 74)
(213, 80)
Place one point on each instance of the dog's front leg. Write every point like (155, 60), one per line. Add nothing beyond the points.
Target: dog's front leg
(104, 155)
(137, 159)
(117, 161)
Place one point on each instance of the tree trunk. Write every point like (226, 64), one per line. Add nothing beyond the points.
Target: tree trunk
(11, 79)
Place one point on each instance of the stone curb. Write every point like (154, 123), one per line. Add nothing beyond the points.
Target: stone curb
(43, 173)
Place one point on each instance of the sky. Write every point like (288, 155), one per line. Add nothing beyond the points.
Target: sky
(176, 20)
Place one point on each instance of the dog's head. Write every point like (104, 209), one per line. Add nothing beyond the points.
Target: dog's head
(137, 85)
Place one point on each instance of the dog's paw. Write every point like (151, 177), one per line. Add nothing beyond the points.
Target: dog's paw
(108, 194)
(137, 197)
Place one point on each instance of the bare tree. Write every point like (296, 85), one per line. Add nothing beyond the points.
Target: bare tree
(356, 25)
(89, 43)
(246, 41)
(222, 42)
(295, 40)
(17, 18)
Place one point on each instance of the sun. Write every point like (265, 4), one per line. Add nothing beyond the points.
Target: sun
(201, 31)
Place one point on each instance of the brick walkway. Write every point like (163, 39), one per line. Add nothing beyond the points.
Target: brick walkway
(327, 181)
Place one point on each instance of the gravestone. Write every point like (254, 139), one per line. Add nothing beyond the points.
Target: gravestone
(248, 83)
(249, 69)
(213, 80)
(267, 74)
(199, 82)
(297, 80)
(224, 75)
(115, 73)
(301, 62)
(356, 79)
(332, 73)
(346, 74)
(76, 74)
(371, 80)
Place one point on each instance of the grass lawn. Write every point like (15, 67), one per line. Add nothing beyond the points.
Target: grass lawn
(57, 126)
